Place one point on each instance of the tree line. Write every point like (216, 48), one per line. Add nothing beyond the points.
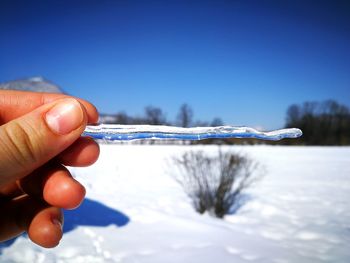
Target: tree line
(322, 123)
(155, 116)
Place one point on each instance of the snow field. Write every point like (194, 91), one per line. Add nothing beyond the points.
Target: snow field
(136, 212)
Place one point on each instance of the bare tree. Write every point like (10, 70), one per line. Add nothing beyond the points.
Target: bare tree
(214, 183)
(185, 115)
(217, 122)
(154, 115)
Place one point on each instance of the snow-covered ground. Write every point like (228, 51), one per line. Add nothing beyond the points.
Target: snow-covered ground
(135, 211)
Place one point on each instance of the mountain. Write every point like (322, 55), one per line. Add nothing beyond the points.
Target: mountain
(37, 84)
(40, 84)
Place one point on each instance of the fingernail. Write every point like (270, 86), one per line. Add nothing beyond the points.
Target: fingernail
(65, 117)
(57, 222)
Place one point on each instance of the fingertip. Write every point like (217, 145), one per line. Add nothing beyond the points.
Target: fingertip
(61, 190)
(84, 152)
(45, 228)
(65, 116)
(93, 114)
(91, 111)
(55, 185)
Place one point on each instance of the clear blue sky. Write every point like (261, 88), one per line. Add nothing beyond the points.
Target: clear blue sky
(243, 61)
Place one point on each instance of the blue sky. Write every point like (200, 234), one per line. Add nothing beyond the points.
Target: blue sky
(243, 61)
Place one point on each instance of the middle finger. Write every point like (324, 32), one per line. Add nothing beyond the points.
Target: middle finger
(54, 184)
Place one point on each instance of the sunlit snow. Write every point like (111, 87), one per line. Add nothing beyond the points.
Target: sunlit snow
(135, 212)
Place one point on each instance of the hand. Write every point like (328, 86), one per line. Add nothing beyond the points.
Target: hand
(39, 134)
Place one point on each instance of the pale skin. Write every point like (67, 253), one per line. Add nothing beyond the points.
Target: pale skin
(40, 134)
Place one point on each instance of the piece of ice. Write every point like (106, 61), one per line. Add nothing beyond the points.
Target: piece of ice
(118, 132)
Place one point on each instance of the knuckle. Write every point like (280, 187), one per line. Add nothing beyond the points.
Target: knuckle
(21, 139)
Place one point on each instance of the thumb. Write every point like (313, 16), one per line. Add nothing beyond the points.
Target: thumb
(28, 142)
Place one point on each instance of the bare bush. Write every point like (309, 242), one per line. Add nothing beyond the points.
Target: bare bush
(214, 183)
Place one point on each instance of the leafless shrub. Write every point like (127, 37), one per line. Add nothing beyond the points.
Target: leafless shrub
(214, 183)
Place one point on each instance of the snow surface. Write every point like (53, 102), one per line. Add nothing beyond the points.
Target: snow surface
(135, 212)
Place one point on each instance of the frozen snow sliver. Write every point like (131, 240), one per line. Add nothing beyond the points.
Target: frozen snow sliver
(118, 132)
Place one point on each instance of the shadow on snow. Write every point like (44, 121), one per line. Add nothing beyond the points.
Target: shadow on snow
(92, 213)
(89, 213)
(241, 201)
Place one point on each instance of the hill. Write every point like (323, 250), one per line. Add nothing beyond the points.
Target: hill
(37, 84)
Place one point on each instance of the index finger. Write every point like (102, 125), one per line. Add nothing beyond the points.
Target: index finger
(14, 103)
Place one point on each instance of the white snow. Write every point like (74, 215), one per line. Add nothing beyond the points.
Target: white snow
(135, 212)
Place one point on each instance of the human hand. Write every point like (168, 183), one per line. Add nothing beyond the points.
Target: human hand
(39, 134)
